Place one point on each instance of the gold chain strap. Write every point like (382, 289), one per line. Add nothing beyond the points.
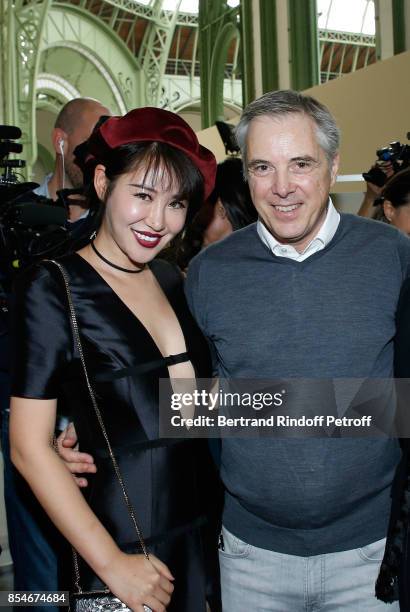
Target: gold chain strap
(127, 500)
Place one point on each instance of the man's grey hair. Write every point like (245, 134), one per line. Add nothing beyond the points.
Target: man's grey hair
(287, 102)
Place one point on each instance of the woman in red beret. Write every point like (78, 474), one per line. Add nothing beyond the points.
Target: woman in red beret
(99, 328)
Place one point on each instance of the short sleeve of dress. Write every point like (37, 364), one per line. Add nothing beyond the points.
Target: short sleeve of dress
(41, 337)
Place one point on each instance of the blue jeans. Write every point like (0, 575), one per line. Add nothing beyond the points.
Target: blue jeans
(258, 579)
(35, 544)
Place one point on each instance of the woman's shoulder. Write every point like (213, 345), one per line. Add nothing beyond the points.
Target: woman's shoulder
(45, 273)
(38, 276)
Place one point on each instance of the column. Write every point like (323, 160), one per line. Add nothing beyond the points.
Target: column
(304, 44)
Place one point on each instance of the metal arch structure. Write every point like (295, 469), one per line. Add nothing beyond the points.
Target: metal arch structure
(145, 54)
(22, 26)
(166, 43)
(127, 15)
(139, 69)
(347, 37)
(155, 49)
(145, 11)
(70, 27)
(344, 52)
(29, 28)
(103, 70)
(56, 86)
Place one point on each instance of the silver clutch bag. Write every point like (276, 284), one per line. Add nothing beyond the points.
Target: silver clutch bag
(98, 601)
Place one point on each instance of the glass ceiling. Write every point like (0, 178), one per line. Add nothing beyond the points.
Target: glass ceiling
(347, 16)
(187, 6)
(344, 15)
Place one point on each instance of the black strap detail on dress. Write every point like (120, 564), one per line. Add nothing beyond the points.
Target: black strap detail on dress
(142, 368)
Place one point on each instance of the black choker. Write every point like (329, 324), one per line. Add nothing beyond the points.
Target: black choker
(94, 248)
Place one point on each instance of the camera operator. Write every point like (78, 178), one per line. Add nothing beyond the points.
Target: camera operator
(73, 126)
(391, 159)
(36, 547)
(373, 191)
(393, 205)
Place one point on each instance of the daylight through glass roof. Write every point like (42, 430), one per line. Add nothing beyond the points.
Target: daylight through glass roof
(347, 16)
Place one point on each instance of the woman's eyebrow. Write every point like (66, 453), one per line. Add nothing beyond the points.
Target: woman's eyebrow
(147, 187)
(175, 196)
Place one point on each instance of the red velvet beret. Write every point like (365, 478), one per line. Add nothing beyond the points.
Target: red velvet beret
(151, 124)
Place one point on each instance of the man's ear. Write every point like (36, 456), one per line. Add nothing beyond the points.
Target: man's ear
(334, 169)
(58, 136)
(100, 181)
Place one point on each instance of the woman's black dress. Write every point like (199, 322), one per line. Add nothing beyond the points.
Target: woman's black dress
(168, 480)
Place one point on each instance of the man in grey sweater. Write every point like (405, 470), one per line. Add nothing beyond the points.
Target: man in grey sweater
(303, 293)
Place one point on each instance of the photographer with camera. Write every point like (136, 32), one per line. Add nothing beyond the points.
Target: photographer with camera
(390, 159)
(32, 228)
(393, 204)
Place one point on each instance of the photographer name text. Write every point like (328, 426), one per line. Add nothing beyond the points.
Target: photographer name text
(282, 421)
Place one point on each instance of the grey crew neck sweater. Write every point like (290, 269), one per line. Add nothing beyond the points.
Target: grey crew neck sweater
(330, 316)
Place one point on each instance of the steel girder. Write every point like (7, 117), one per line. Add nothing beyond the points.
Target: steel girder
(155, 50)
(70, 27)
(31, 27)
(22, 27)
(151, 12)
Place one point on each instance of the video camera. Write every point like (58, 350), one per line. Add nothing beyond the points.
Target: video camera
(31, 227)
(396, 153)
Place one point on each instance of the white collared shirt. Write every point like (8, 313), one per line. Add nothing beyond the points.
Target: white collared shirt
(322, 238)
(42, 189)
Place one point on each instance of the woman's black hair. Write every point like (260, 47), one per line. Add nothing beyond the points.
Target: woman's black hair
(397, 189)
(163, 164)
(233, 191)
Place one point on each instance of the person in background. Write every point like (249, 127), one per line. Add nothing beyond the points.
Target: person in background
(73, 126)
(228, 209)
(393, 204)
(373, 191)
(394, 577)
(393, 581)
(230, 206)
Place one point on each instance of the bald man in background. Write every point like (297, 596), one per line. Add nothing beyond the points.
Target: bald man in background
(74, 124)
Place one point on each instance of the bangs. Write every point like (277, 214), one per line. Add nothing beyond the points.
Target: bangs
(163, 165)
(171, 169)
